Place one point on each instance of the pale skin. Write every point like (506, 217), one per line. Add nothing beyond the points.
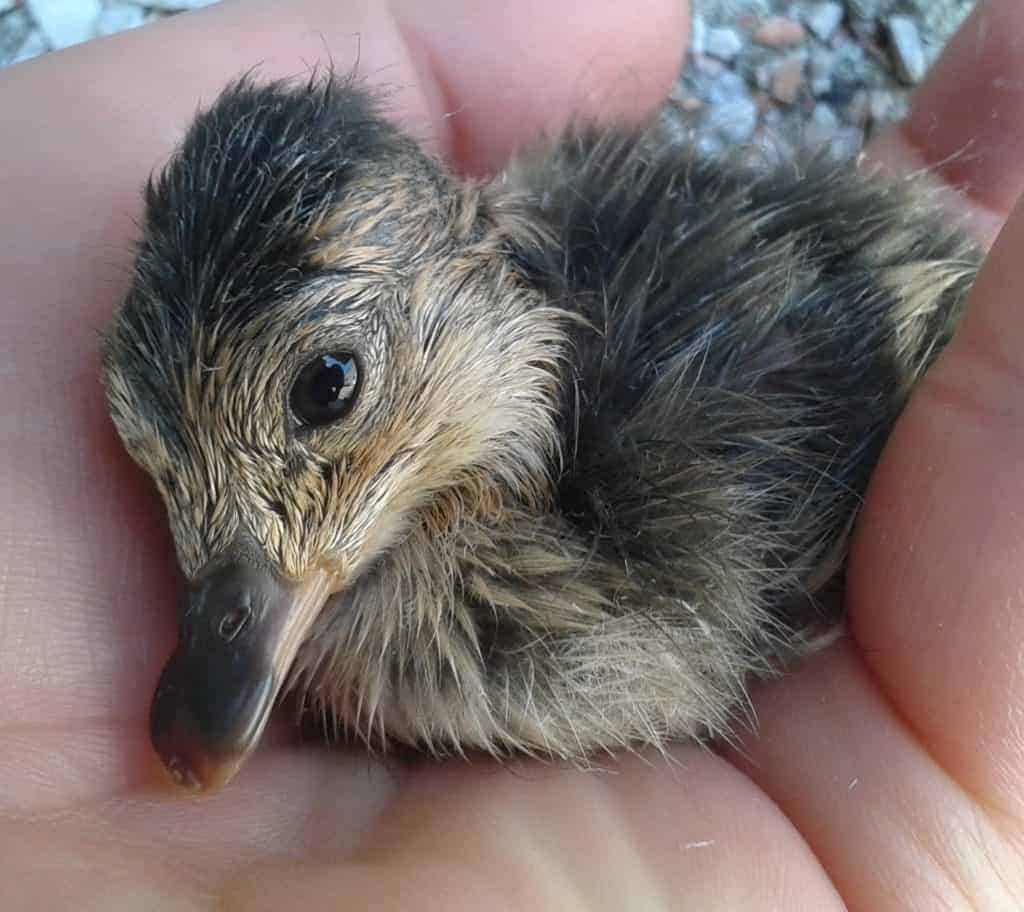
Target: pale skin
(888, 773)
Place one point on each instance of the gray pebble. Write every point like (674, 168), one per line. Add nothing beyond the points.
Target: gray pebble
(14, 28)
(33, 45)
(698, 35)
(118, 17)
(886, 106)
(822, 19)
(819, 71)
(722, 43)
(725, 88)
(708, 66)
(906, 49)
(734, 121)
(64, 22)
(788, 79)
(823, 116)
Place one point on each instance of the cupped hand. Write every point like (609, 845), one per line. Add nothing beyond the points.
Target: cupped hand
(888, 772)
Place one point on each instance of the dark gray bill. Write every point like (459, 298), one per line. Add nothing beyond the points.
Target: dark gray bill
(238, 636)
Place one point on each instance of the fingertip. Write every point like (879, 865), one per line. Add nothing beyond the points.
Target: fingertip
(966, 121)
(935, 585)
(507, 72)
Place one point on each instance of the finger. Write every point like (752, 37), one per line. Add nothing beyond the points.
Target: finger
(966, 121)
(507, 70)
(88, 590)
(940, 615)
(649, 835)
(166, 851)
(900, 757)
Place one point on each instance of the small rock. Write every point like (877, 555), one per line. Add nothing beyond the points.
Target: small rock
(820, 86)
(698, 35)
(64, 22)
(819, 71)
(858, 110)
(822, 19)
(723, 43)
(33, 45)
(14, 28)
(787, 80)
(885, 106)
(779, 33)
(734, 121)
(727, 88)
(118, 17)
(880, 105)
(824, 116)
(763, 76)
(906, 49)
(707, 66)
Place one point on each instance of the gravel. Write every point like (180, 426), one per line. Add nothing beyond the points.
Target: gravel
(825, 74)
(768, 73)
(64, 22)
(822, 19)
(906, 49)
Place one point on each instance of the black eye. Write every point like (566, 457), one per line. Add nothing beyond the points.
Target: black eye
(325, 389)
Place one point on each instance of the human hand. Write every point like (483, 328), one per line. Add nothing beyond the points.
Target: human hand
(887, 772)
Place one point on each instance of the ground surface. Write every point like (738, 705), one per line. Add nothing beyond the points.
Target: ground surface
(766, 71)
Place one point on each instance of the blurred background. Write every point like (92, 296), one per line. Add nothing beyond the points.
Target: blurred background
(772, 73)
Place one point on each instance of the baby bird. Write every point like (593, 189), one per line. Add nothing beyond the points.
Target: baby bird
(551, 463)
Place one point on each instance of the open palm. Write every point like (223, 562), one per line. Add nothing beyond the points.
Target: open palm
(888, 773)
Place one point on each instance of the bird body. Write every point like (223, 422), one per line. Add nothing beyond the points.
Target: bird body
(551, 463)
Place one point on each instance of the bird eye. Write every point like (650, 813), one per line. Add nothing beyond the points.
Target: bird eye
(325, 389)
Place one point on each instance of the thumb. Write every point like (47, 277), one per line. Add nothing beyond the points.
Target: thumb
(937, 569)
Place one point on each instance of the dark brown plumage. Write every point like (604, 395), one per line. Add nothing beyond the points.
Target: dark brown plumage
(551, 463)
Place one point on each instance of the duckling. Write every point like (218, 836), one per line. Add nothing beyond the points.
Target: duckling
(551, 463)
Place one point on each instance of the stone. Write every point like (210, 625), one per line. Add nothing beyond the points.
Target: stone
(726, 88)
(698, 35)
(780, 33)
(14, 29)
(788, 80)
(118, 17)
(722, 43)
(819, 71)
(707, 66)
(822, 19)
(886, 106)
(64, 22)
(858, 111)
(33, 45)
(906, 49)
(824, 116)
(734, 121)
(7, 5)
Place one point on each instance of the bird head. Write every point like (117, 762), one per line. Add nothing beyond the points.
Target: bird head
(327, 339)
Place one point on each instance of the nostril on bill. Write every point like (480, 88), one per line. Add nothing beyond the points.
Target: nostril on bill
(234, 622)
